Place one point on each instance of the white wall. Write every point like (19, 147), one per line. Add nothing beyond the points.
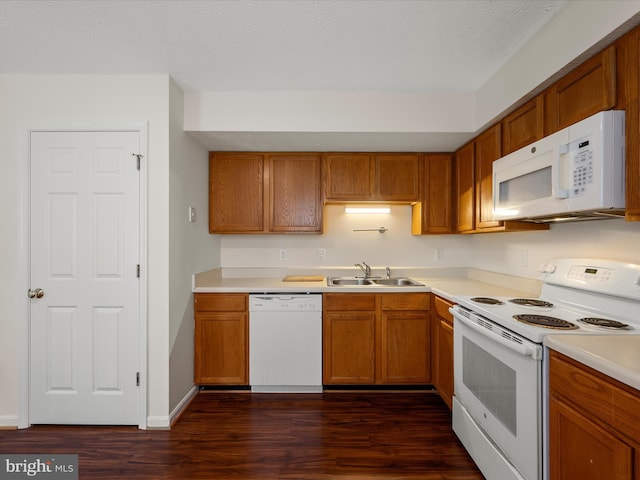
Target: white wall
(506, 252)
(344, 247)
(36, 102)
(516, 253)
(191, 247)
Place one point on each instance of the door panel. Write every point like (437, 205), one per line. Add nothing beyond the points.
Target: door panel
(84, 335)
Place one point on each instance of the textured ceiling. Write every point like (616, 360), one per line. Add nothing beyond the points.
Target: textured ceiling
(330, 45)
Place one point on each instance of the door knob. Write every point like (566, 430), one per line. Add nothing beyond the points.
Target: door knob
(37, 293)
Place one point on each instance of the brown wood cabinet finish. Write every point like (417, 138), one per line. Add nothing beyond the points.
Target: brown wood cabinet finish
(376, 338)
(393, 177)
(433, 214)
(348, 176)
(236, 192)
(487, 150)
(295, 186)
(465, 188)
(442, 348)
(594, 427)
(221, 339)
(265, 192)
(397, 177)
(586, 90)
(629, 99)
(523, 126)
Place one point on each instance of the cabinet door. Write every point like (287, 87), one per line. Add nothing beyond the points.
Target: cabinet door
(437, 199)
(404, 350)
(348, 348)
(465, 188)
(442, 349)
(523, 126)
(348, 176)
(221, 348)
(581, 449)
(236, 193)
(397, 177)
(487, 150)
(295, 193)
(588, 89)
(631, 83)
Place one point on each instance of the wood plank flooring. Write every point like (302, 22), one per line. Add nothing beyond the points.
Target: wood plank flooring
(334, 435)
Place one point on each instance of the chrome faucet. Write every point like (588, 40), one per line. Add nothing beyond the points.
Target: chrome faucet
(388, 272)
(366, 269)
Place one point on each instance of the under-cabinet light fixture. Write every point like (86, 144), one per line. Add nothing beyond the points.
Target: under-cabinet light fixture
(367, 209)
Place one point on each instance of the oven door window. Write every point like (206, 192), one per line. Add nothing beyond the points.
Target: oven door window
(492, 381)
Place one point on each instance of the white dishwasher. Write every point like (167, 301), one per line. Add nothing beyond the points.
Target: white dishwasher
(285, 343)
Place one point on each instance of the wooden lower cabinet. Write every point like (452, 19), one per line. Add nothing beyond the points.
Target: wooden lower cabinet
(371, 339)
(442, 348)
(594, 431)
(221, 339)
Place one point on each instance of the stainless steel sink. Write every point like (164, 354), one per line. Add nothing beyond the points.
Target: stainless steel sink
(335, 281)
(397, 282)
(373, 281)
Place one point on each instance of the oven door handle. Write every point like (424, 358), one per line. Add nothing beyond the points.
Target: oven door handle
(509, 340)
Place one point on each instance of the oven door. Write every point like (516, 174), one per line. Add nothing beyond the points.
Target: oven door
(498, 387)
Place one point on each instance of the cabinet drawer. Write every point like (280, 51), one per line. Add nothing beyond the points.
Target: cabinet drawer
(442, 308)
(349, 302)
(583, 389)
(216, 302)
(405, 301)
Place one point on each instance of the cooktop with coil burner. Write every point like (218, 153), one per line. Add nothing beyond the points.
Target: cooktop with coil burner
(578, 296)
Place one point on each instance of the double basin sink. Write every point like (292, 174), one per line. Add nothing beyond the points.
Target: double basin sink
(372, 281)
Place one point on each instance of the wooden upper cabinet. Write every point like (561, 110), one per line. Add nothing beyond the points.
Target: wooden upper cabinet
(588, 89)
(295, 185)
(523, 126)
(393, 177)
(236, 192)
(348, 176)
(397, 177)
(629, 78)
(265, 192)
(465, 188)
(487, 150)
(433, 214)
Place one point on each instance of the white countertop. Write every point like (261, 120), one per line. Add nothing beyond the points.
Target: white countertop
(617, 356)
(446, 283)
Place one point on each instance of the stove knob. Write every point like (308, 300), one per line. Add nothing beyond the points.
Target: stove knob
(547, 268)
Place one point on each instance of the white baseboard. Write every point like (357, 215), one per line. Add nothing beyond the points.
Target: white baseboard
(8, 421)
(163, 422)
(183, 404)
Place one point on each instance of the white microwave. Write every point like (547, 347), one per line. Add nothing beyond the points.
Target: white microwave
(576, 173)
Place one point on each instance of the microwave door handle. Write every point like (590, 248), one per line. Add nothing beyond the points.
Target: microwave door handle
(556, 190)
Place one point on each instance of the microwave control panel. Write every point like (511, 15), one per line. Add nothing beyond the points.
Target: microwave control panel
(582, 168)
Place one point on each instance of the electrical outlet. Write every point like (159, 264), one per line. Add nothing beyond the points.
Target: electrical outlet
(192, 214)
(438, 254)
(322, 253)
(283, 254)
(524, 258)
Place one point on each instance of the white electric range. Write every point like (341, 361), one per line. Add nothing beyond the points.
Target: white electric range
(500, 376)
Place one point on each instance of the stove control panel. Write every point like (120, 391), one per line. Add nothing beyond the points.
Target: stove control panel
(608, 277)
(590, 274)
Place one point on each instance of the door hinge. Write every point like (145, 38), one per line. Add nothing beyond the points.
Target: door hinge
(138, 157)
(138, 270)
(137, 379)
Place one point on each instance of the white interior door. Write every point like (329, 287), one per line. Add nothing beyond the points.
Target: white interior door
(84, 253)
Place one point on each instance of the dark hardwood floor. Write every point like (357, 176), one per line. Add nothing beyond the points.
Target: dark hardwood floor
(336, 435)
